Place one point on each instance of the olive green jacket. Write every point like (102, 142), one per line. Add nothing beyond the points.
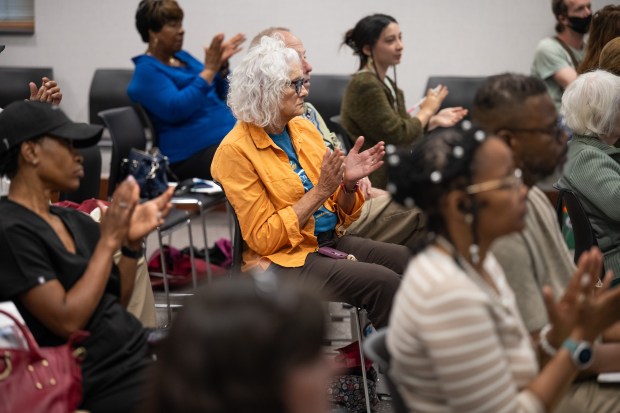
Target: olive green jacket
(369, 110)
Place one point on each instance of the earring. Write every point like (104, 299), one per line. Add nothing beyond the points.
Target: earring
(474, 253)
(469, 218)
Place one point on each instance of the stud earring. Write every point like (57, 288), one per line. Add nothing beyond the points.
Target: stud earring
(469, 218)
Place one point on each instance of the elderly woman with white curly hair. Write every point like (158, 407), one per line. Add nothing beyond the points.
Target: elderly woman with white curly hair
(292, 196)
(591, 107)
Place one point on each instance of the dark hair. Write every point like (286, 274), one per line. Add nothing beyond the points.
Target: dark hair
(441, 162)
(154, 14)
(500, 95)
(605, 26)
(559, 8)
(9, 160)
(366, 33)
(609, 59)
(233, 345)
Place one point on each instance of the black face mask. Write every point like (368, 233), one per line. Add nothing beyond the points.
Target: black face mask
(580, 24)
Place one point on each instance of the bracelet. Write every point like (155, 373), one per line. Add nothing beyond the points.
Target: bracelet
(544, 343)
(129, 253)
(352, 191)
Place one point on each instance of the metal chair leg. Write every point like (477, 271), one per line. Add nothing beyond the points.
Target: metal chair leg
(164, 272)
(360, 335)
(203, 220)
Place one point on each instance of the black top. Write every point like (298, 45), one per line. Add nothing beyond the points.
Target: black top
(31, 254)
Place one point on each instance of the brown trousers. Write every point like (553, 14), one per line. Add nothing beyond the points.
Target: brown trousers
(370, 282)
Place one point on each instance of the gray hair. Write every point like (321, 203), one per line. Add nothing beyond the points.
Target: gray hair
(591, 103)
(257, 85)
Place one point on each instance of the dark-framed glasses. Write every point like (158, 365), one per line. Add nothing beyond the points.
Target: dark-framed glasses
(513, 181)
(556, 131)
(297, 84)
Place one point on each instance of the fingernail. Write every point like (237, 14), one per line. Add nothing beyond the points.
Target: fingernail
(130, 178)
(585, 280)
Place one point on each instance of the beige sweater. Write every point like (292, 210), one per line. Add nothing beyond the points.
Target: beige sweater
(456, 345)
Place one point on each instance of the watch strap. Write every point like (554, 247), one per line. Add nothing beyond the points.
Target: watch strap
(129, 253)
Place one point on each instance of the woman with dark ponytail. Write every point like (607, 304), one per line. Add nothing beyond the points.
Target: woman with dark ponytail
(373, 106)
(457, 340)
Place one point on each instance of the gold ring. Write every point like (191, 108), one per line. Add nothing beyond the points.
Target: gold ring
(581, 298)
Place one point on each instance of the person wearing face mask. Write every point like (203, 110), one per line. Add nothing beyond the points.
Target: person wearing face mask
(556, 58)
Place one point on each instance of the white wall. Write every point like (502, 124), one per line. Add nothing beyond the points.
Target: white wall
(442, 37)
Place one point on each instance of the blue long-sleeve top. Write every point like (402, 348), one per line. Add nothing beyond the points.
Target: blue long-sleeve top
(187, 112)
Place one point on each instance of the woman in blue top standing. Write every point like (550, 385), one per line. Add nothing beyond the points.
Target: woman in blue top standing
(185, 98)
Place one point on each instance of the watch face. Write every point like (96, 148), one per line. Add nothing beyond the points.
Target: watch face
(585, 355)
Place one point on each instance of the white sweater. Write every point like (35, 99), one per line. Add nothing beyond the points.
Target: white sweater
(456, 345)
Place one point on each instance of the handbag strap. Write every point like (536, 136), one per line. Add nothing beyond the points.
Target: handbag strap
(75, 338)
(33, 347)
(570, 52)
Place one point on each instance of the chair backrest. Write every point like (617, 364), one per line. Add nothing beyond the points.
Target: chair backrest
(91, 182)
(14, 81)
(237, 244)
(108, 89)
(462, 90)
(126, 132)
(376, 349)
(326, 94)
(584, 235)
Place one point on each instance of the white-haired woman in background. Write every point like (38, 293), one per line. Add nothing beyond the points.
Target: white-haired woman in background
(591, 107)
(291, 195)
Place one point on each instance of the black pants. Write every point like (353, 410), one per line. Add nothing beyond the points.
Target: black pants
(370, 282)
(196, 166)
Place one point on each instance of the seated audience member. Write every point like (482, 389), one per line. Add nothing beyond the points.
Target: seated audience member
(185, 98)
(556, 58)
(457, 341)
(604, 27)
(292, 195)
(245, 345)
(381, 218)
(519, 111)
(373, 106)
(591, 108)
(57, 264)
(610, 57)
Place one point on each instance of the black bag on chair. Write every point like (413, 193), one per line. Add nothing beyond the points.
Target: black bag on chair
(150, 170)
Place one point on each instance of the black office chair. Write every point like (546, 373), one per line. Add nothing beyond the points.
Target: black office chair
(90, 184)
(462, 90)
(376, 349)
(108, 90)
(326, 94)
(126, 132)
(585, 237)
(14, 81)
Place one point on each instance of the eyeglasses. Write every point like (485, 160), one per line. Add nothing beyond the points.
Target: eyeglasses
(298, 84)
(513, 181)
(556, 131)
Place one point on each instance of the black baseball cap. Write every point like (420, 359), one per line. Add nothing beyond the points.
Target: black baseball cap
(24, 120)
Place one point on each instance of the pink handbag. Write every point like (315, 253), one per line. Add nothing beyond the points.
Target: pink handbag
(38, 380)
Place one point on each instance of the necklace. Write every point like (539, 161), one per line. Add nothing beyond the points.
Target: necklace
(172, 61)
(473, 274)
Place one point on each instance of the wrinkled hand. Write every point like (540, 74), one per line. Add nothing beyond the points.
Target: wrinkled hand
(433, 99)
(332, 170)
(48, 92)
(148, 216)
(232, 46)
(116, 218)
(361, 164)
(219, 51)
(447, 117)
(584, 309)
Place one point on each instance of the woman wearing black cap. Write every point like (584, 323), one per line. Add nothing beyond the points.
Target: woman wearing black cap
(57, 263)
